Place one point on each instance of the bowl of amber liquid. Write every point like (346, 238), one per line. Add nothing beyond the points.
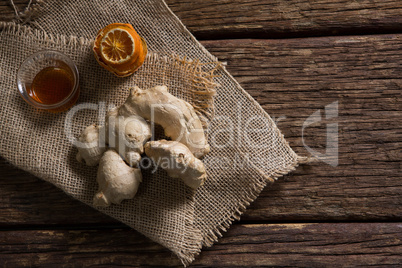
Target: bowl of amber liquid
(48, 80)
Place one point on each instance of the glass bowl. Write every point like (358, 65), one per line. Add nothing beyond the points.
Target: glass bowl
(42, 61)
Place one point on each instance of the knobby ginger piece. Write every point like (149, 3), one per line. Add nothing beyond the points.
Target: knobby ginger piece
(117, 181)
(176, 116)
(178, 161)
(91, 147)
(127, 135)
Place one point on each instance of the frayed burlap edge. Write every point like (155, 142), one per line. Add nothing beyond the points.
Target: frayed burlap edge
(203, 85)
(215, 234)
(28, 32)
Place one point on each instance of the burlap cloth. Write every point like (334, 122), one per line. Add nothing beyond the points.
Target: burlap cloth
(247, 151)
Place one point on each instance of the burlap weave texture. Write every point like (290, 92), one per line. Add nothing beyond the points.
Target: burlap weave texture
(239, 164)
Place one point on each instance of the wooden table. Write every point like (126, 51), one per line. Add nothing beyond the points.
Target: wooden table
(294, 57)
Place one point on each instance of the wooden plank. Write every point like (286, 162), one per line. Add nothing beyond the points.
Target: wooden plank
(312, 245)
(26, 200)
(211, 19)
(292, 79)
(286, 18)
(7, 12)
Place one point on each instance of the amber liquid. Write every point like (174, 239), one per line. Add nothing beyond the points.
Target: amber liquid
(51, 85)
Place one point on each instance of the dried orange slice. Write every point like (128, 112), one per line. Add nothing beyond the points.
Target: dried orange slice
(119, 49)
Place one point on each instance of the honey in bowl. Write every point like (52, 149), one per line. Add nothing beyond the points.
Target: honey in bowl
(48, 80)
(51, 85)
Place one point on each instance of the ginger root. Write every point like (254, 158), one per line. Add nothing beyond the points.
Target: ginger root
(90, 151)
(117, 181)
(178, 161)
(176, 116)
(127, 135)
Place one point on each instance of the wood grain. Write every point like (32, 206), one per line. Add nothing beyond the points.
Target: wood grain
(222, 19)
(7, 11)
(27, 201)
(296, 245)
(291, 79)
(211, 19)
